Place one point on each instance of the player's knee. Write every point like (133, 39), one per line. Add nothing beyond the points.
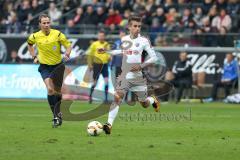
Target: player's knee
(117, 98)
(50, 90)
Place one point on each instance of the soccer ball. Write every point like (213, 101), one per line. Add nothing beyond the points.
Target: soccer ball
(94, 128)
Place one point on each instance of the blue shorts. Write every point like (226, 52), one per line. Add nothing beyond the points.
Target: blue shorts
(100, 69)
(55, 72)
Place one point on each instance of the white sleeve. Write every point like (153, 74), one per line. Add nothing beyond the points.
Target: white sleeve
(151, 53)
(115, 52)
(174, 67)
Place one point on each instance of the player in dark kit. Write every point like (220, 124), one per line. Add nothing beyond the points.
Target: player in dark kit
(48, 42)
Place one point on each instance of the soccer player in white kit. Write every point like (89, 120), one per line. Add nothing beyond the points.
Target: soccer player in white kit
(132, 77)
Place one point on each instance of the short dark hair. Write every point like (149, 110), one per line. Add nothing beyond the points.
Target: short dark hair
(101, 31)
(42, 16)
(134, 18)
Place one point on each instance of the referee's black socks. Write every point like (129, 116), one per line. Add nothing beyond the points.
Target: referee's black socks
(54, 103)
(58, 99)
(51, 102)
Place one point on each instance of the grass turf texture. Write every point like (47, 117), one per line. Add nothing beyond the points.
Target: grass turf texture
(211, 132)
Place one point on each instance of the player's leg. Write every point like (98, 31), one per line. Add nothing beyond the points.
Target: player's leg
(180, 91)
(151, 100)
(57, 80)
(141, 92)
(96, 72)
(105, 76)
(52, 100)
(121, 88)
(50, 92)
(113, 111)
(216, 85)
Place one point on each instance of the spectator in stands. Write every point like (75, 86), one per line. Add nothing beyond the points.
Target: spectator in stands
(14, 57)
(139, 7)
(113, 18)
(191, 27)
(223, 20)
(223, 39)
(171, 20)
(186, 17)
(233, 7)
(68, 5)
(228, 79)
(122, 6)
(13, 25)
(203, 33)
(70, 28)
(198, 15)
(168, 4)
(101, 16)
(54, 14)
(36, 9)
(221, 4)
(90, 16)
(23, 10)
(212, 13)
(125, 17)
(110, 4)
(150, 7)
(160, 15)
(78, 17)
(207, 4)
(155, 29)
(182, 70)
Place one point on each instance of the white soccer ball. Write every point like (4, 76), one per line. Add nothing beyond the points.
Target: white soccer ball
(94, 128)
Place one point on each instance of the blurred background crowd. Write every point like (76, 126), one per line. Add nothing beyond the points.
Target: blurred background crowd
(166, 21)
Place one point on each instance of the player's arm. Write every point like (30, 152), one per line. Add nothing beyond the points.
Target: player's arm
(174, 70)
(31, 41)
(90, 55)
(152, 55)
(107, 48)
(67, 44)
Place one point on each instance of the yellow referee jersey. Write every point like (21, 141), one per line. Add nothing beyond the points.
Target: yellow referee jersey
(97, 53)
(49, 46)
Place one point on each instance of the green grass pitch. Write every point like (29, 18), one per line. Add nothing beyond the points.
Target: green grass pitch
(180, 132)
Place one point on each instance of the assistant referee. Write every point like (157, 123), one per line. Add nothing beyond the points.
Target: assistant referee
(48, 43)
(98, 60)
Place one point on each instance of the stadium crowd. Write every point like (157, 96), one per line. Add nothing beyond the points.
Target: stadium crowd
(166, 21)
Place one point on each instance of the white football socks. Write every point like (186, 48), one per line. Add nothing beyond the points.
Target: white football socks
(151, 100)
(113, 113)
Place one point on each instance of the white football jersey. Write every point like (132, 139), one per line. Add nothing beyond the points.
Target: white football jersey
(132, 50)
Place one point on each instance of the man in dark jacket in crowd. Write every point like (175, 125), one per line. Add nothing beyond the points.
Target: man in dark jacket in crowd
(182, 70)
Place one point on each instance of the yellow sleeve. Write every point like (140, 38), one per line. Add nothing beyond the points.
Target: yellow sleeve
(108, 47)
(31, 39)
(63, 40)
(90, 54)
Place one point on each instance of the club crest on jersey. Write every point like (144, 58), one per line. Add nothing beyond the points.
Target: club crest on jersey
(137, 44)
(54, 48)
